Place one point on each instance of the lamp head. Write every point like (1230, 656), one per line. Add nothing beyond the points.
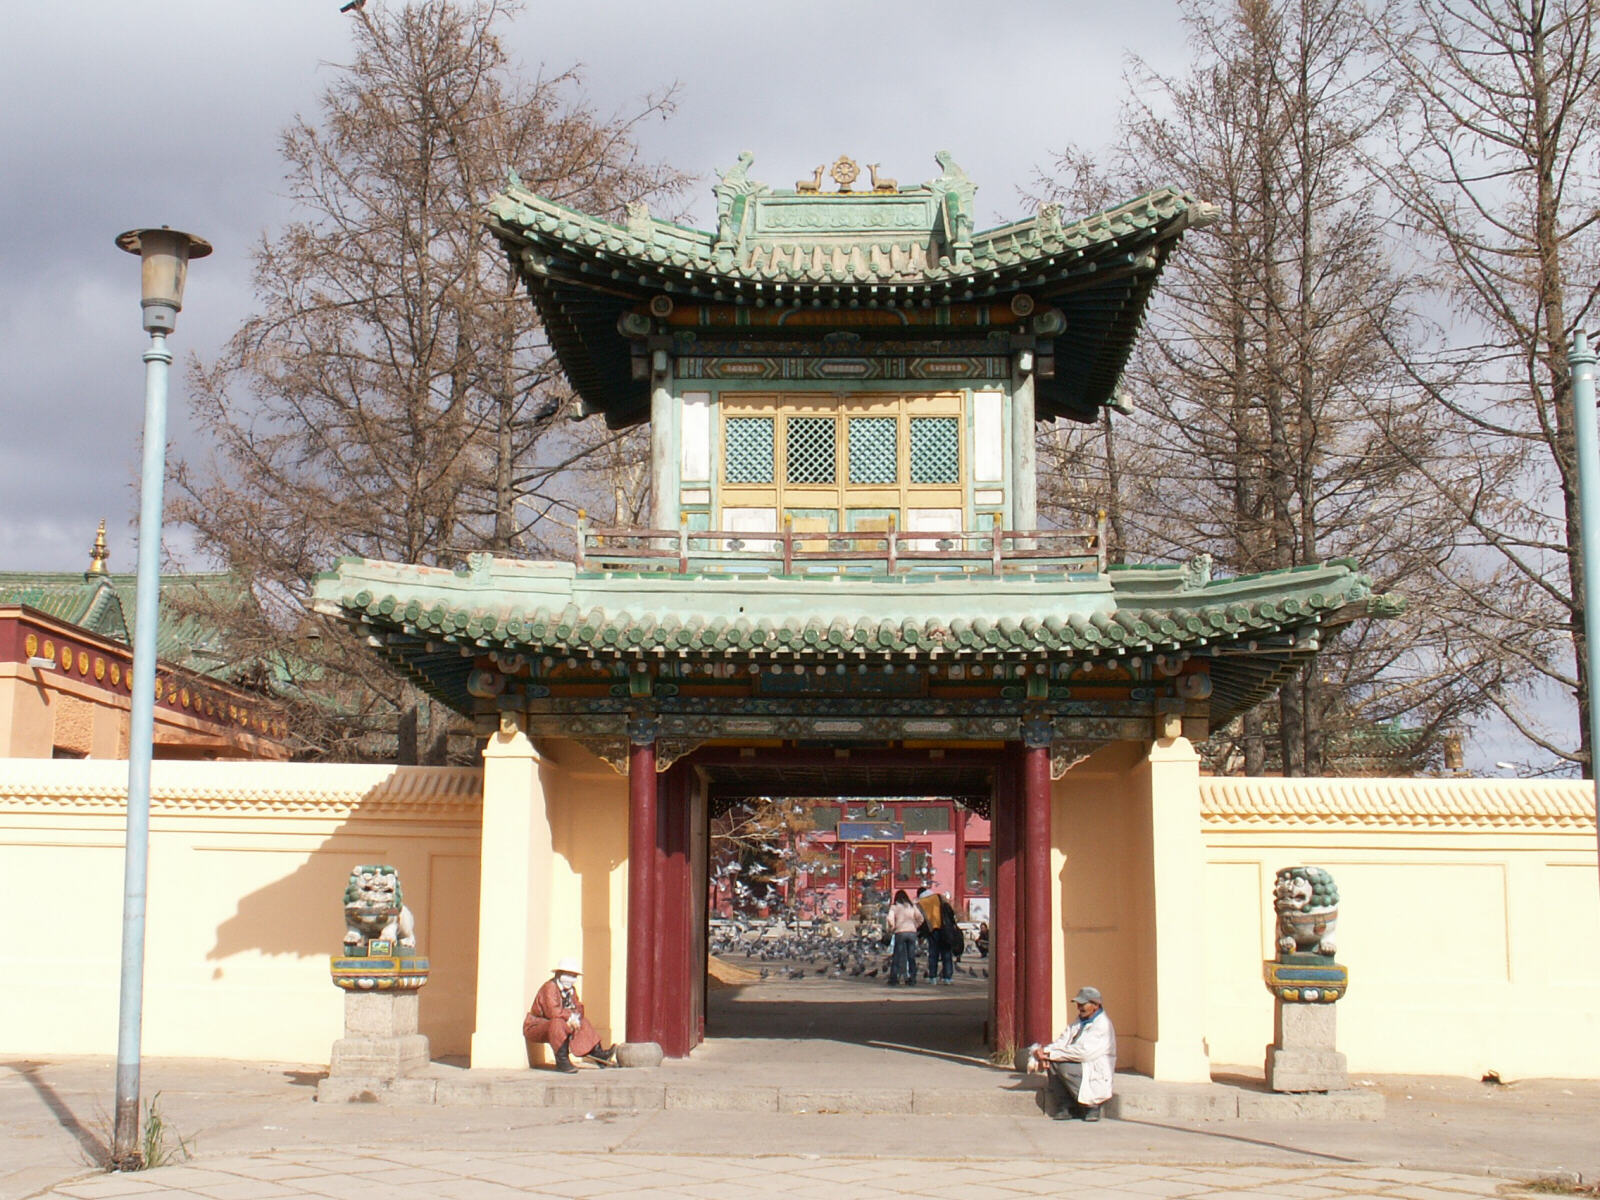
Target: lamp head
(165, 255)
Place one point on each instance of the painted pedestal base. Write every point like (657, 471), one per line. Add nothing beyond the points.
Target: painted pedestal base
(1303, 1056)
(380, 1037)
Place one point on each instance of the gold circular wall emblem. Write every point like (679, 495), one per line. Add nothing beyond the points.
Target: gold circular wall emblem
(845, 172)
(99, 667)
(49, 648)
(83, 662)
(116, 674)
(31, 644)
(183, 697)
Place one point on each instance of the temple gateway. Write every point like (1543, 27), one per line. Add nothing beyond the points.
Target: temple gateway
(845, 592)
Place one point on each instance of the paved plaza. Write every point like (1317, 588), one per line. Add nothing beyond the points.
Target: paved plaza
(475, 1175)
(257, 1131)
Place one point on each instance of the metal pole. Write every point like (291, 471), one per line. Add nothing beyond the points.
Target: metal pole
(1582, 359)
(141, 731)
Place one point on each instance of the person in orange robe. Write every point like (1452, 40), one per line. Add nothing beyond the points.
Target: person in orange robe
(556, 1018)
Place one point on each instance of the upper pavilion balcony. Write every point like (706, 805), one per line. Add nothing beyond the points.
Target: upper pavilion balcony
(875, 553)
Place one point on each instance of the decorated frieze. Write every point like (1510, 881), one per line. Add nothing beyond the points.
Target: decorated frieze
(960, 367)
(107, 667)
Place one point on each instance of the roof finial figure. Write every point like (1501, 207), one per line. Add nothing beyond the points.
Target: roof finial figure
(98, 556)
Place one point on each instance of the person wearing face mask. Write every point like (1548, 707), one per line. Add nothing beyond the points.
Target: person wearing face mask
(557, 1019)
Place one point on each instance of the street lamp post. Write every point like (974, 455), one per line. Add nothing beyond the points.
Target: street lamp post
(1582, 359)
(164, 255)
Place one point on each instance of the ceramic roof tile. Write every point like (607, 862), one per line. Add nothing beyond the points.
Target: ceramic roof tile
(504, 605)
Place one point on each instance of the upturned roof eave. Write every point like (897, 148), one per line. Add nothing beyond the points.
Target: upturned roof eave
(522, 218)
(433, 626)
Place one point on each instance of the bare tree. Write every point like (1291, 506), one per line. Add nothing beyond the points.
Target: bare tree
(394, 394)
(1277, 427)
(758, 846)
(1497, 178)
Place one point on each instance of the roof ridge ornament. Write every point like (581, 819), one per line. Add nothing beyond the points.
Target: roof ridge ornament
(639, 223)
(99, 554)
(957, 197)
(732, 186)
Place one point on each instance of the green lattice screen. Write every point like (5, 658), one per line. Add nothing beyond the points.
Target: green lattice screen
(874, 449)
(749, 445)
(935, 450)
(810, 455)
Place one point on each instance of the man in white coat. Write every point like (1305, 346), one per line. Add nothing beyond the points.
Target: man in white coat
(1079, 1064)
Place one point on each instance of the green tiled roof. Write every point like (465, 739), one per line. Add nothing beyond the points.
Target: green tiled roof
(433, 623)
(847, 251)
(104, 605)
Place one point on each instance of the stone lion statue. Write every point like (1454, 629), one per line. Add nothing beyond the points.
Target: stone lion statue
(1307, 903)
(374, 907)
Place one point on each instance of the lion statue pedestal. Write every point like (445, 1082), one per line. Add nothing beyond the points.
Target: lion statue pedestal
(1305, 983)
(380, 974)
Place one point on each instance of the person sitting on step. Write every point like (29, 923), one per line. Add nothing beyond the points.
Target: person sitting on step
(556, 1018)
(1080, 1064)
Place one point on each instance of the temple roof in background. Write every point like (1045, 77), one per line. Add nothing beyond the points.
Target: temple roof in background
(103, 603)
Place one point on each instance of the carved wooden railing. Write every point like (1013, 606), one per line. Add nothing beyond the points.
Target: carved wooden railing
(815, 552)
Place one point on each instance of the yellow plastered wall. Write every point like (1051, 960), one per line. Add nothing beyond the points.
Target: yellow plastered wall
(1128, 880)
(1100, 852)
(588, 912)
(27, 720)
(247, 868)
(1469, 915)
(555, 838)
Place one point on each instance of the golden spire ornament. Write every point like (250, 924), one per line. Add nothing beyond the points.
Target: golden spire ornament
(98, 556)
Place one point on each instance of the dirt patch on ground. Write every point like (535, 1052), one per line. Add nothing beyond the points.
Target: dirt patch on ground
(720, 974)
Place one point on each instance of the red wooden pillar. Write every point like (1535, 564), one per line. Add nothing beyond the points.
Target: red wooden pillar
(1003, 915)
(1036, 938)
(958, 816)
(642, 842)
(674, 912)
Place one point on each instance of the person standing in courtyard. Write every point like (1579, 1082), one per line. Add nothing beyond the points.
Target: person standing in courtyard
(1080, 1064)
(557, 1019)
(902, 922)
(944, 940)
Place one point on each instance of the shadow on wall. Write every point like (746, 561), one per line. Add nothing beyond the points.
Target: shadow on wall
(589, 830)
(301, 913)
(1099, 881)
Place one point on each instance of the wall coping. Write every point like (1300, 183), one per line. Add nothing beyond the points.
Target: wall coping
(223, 788)
(1399, 803)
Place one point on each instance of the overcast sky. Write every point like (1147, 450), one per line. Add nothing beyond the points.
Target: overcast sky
(116, 114)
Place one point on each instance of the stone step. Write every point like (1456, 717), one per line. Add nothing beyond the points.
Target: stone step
(1137, 1098)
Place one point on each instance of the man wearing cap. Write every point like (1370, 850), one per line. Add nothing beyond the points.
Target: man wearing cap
(1079, 1064)
(557, 1018)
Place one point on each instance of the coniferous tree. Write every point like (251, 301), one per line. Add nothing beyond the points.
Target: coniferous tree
(1274, 425)
(393, 396)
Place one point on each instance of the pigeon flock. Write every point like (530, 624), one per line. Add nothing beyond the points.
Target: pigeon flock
(828, 951)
